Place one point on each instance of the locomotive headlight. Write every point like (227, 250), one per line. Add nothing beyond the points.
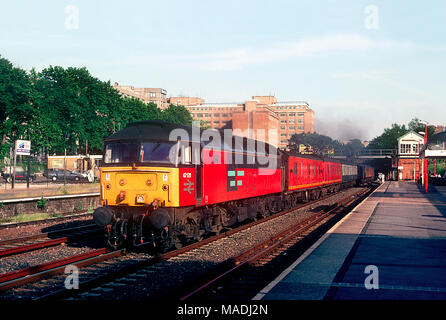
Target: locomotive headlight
(140, 198)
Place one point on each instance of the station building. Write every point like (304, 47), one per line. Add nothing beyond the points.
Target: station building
(409, 162)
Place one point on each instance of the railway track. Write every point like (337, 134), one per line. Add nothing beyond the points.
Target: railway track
(246, 274)
(67, 216)
(32, 274)
(29, 243)
(110, 270)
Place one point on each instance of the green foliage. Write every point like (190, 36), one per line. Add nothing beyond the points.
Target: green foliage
(177, 114)
(78, 208)
(62, 109)
(41, 204)
(15, 107)
(389, 138)
(353, 147)
(319, 143)
(418, 127)
(440, 167)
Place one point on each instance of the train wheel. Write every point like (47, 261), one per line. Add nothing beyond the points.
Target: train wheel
(192, 230)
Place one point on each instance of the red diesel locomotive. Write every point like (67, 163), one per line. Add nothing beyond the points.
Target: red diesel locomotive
(163, 184)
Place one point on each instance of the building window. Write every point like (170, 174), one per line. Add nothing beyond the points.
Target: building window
(405, 148)
(300, 114)
(152, 94)
(291, 114)
(200, 115)
(300, 127)
(300, 121)
(291, 121)
(207, 115)
(283, 134)
(283, 121)
(216, 114)
(282, 128)
(415, 148)
(283, 114)
(292, 128)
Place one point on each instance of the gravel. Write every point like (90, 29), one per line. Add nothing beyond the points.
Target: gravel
(155, 281)
(151, 283)
(27, 230)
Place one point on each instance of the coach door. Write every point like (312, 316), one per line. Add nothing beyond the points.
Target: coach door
(196, 149)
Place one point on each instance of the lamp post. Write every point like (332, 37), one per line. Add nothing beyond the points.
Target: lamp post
(426, 178)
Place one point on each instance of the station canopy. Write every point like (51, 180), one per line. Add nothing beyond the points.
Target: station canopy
(435, 147)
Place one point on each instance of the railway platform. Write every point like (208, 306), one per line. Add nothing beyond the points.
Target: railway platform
(392, 246)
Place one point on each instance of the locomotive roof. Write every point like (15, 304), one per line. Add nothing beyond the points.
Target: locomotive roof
(148, 129)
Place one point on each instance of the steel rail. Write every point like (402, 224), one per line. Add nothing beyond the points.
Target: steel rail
(77, 232)
(47, 234)
(98, 280)
(266, 247)
(17, 278)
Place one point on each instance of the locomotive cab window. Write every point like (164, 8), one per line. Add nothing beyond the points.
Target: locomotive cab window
(121, 152)
(156, 151)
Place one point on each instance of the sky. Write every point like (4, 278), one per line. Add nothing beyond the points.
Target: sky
(361, 65)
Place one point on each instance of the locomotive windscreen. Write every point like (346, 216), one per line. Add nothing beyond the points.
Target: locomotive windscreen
(138, 152)
(156, 151)
(121, 152)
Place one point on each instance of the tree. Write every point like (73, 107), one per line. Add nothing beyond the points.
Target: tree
(62, 109)
(319, 143)
(15, 107)
(418, 127)
(353, 147)
(177, 114)
(389, 138)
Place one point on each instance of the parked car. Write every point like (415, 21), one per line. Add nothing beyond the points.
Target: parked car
(20, 174)
(58, 175)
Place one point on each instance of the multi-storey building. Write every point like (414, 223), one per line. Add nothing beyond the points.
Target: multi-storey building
(146, 95)
(185, 101)
(292, 116)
